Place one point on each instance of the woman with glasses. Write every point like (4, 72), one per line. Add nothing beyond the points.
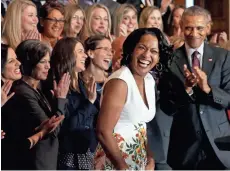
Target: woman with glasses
(100, 52)
(52, 22)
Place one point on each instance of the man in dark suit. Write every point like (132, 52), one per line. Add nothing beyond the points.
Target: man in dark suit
(196, 91)
(110, 4)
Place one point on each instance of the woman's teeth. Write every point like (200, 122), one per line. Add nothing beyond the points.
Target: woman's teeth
(143, 63)
(17, 71)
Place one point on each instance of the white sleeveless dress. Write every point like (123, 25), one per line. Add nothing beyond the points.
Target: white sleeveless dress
(130, 130)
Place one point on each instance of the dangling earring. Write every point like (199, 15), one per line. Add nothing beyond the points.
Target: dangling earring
(159, 67)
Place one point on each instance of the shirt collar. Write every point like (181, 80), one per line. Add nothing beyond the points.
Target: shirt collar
(190, 50)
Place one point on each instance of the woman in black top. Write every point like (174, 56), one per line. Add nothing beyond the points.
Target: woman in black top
(28, 108)
(9, 75)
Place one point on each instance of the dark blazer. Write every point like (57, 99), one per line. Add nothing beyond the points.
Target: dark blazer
(211, 108)
(78, 131)
(110, 4)
(21, 115)
(158, 131)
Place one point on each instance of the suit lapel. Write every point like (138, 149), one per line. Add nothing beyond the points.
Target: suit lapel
(181, 59)
(208, 60)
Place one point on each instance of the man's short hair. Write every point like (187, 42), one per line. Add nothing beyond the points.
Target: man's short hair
(196, 11)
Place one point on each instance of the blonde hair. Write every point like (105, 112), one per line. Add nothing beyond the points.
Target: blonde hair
(145, 16)
(70, 10)
(89, 11)
(118, 17)
(12, 25)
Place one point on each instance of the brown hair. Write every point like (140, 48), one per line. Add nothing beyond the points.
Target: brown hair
(145, 16)
(49, 6)
(70, 10)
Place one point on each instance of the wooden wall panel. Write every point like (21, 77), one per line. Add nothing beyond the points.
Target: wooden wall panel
(220, 12)
(180, 2)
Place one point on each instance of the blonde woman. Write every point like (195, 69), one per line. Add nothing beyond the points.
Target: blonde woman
(20, 23)
(75, 20)
(151, 17)
(125, 20)
(98, 21)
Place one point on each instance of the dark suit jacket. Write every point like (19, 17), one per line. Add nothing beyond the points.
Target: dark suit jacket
(110, 4)
(21, 115)
(211, 108)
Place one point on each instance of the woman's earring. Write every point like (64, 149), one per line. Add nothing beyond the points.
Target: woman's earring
(159, 66)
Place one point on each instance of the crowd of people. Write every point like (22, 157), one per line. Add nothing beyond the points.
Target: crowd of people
(105, 85)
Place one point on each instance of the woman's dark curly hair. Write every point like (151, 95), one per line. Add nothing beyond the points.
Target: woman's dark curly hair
(165, 50)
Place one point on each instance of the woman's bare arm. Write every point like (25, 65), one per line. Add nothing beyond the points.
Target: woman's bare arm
(114, 98)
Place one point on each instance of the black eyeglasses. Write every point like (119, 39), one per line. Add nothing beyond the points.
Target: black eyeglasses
(54, 20)
(107, 49)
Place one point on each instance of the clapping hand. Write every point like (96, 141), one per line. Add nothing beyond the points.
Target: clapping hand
(223, 38)
(32, 34)
(49, 125)
(202, 80)
(148, 3)
(91, 89)
(190, 79)
(61, 89)
(2, 134)
(5, 91)
(123, 30)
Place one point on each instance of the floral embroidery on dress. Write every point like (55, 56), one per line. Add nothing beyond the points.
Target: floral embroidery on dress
(133, 150)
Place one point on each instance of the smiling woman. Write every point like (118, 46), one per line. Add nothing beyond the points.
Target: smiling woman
(75, 20)
(9, 64)
(29, 108)
(125, 20)
(20, 19)
(128, 103)
(77, 138)
(52, 22)
(98, 21)
(151, 17)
